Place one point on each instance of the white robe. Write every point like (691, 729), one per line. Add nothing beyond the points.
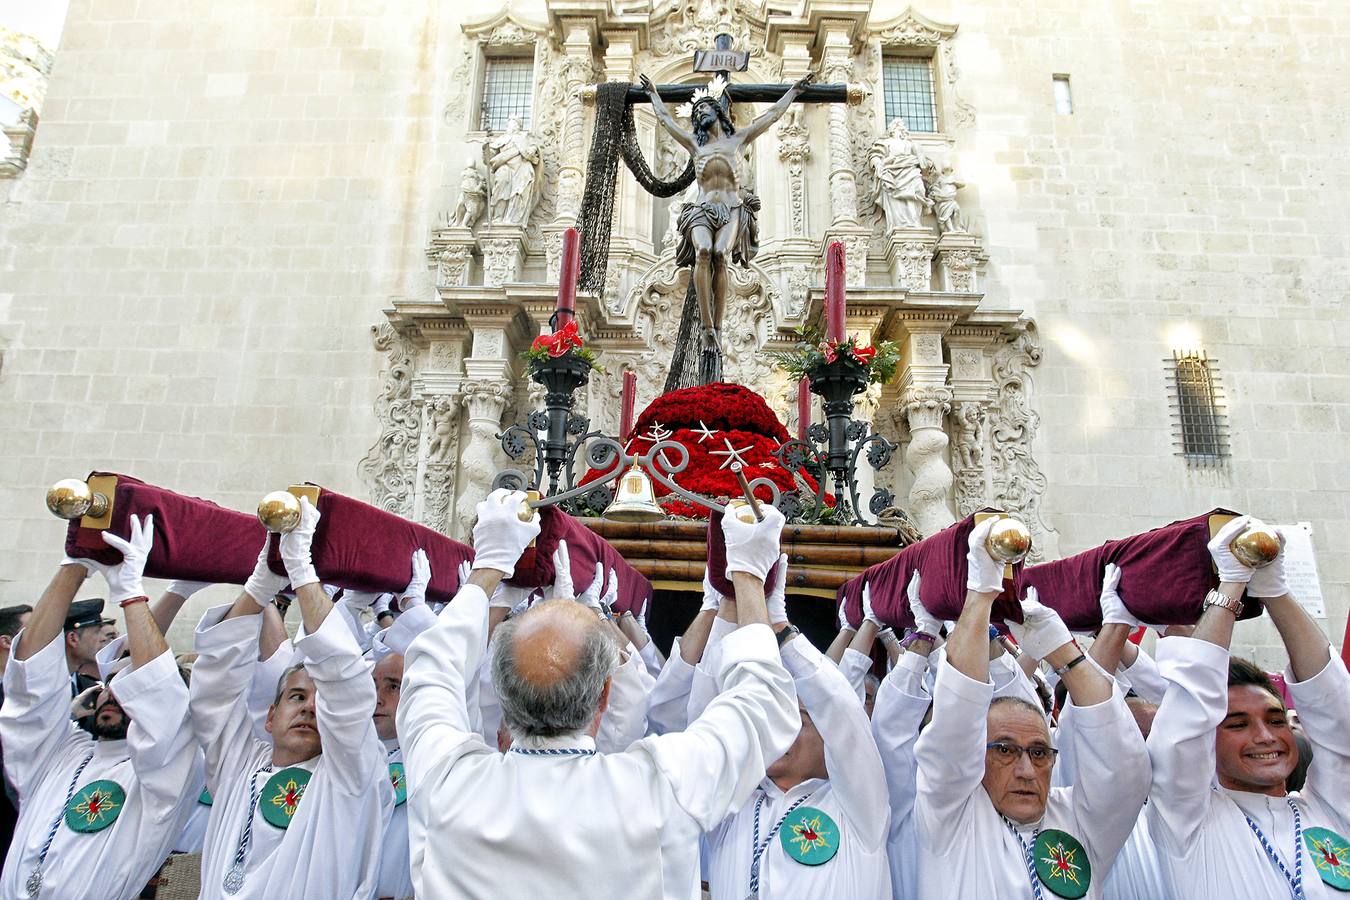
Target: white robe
(850, 797)
(965, 849)
(902, 702)
(1203, 840)
(622, 825)
(326, 851)
(158, 765)
(668, 706)
(630, 691)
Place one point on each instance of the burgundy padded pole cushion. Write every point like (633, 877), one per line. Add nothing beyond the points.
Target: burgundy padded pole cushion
(941, 563)
(195, 540)
(1164, 576)
(363, 548)
(585, 548)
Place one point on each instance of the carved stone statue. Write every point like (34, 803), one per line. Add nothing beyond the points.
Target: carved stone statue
(444, 416)
(897, 163)
(513, 157)
(942, 188)
(472, 197)
(720, 222)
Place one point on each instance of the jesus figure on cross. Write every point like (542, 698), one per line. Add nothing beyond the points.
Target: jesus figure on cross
(721, 222)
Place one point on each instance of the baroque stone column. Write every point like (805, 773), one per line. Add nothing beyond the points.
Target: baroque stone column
(578, 71)
(972, 391)
(794, 149)
(837, 68)
(927, 399)
(485, 402)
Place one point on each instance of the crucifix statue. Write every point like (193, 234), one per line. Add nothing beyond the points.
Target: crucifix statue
(719, 226)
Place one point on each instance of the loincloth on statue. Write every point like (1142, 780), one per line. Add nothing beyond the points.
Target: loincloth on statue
(713, 216)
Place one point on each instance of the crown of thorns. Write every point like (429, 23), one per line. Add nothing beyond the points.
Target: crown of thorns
(710, 94)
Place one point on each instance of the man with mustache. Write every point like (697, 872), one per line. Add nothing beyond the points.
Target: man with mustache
(296, 817)
(1250, 838)
(97, 814)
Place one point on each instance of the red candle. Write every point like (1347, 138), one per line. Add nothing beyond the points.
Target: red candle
(567, 278)
(836, 308)
(803, 407)
(629, 400)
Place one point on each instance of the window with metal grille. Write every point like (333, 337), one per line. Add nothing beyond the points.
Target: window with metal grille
(908, 86)
(1199, 424)
(507, 86)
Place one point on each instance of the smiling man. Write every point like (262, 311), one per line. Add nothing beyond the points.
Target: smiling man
(1250, 839)
(296, 817)
(988, 823)
(97, 814)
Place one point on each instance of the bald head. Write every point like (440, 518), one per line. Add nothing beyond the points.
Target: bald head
(551, 669)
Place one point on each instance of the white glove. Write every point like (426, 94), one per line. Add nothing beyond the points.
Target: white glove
(465, 568)
(381, 605)
(415, 594)
(264, 584)
(869, 615)
(508, 596)
(500, 536)
(295, 547)
(752, 547)
(1042, 630)
(1114, 611)
(712, 598)
(186, 589)
(843, 616)
(983, 573)
(1230, 569)
(591, 596)
(124, 581)
(924, 621)
(90, 566)
(611, 594)
(1270, 581)
(776, 598)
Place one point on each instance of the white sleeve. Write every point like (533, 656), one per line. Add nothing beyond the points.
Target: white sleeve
(406, 629)
(353, 620)
(669, 710)
(651, 657)
(1144, 677)
(703, 687)
(433, 716)
(625, 719)
(227, 656)
(897, 717)
(1113, 774)
(1011, 681)
(1323, 704)
(344, 703)
(715, 764)
(851, 755)
(855, 666)
(35, 723)
(950, 753)
(164, 753)
(1181, 743)
(262, 689)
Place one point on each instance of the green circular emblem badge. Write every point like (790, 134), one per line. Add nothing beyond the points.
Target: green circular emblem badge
(399, 782)
(281, 795)
(1062, 864)
(809, 836)
(1331, 854)
(95, 806)
(204, 798)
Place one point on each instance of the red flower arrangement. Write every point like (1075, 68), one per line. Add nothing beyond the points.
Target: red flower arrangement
(740, 417)
(879, 360)
(566, 340)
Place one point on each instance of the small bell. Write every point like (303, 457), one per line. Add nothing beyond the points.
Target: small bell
(634, 499)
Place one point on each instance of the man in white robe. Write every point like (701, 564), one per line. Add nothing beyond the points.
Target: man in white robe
(298, 817)
(1249, 838)
(98, 815)
(551, 817)
(988, 823)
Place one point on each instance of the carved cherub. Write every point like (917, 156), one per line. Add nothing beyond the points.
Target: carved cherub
(472, 197)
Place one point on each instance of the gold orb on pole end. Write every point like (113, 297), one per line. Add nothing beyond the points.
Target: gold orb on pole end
(1257, 546)
(527, 510)
(71, 498)
(1009, 541)
(279, 511)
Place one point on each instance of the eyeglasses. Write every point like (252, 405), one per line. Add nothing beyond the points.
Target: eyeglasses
(1005, 753)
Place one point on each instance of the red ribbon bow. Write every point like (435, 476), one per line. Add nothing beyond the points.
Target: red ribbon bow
(560, 341)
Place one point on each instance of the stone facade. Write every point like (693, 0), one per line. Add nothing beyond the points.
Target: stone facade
(229, 263)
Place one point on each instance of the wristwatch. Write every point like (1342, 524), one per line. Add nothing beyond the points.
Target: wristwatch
(1215, 598)
(787, 632)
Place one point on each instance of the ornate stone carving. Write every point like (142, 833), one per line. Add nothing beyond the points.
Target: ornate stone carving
(910, 255)
(799, 290)
(438, 478)
(926, 407)
(1018, 483)
(794, 148)
(692, 24)
(460, 98)
(969, 458)
(897, 166)
(486, 402)
(958, 271)
(838, 67)
(553, 254)
(452, 265)
(472, 201)
(914, 30)
(513, 157)
(442, 419)
(390, 467)
(942, 187)
(502, 256)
